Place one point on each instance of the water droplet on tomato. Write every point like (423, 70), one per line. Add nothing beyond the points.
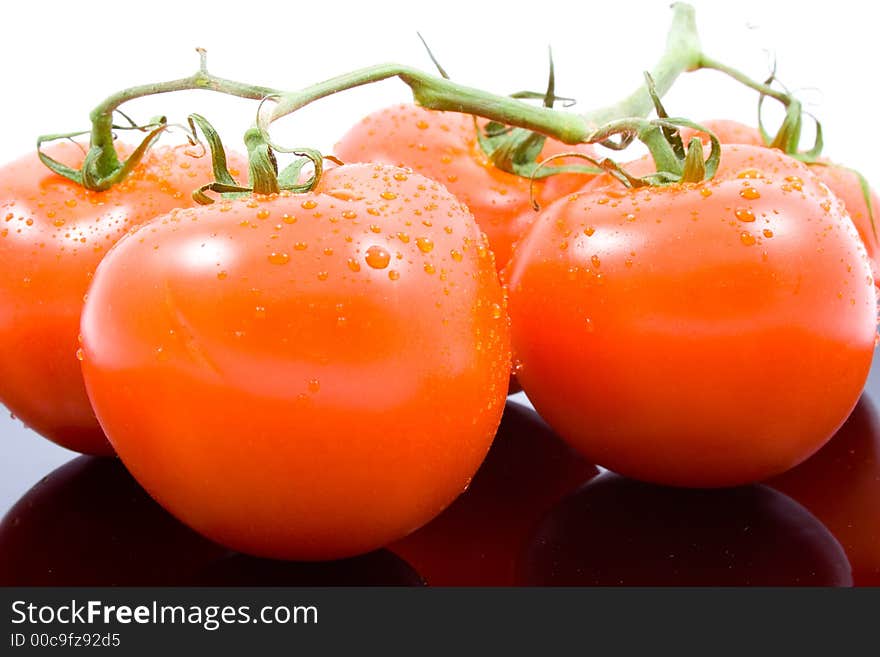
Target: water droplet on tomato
(71, 202)
(456, 255)
(744, 214)
(353, 264)
(750, 174)
(429, 268)
(705, 192)
(377, 257)
(767, 232)
(262, 213)
(323, 275)
(279, 258)
(260, 312)
(750, 193)
(388, 196)
(300, 246)
(314, 385)
(747, 238)
(222, 275)
(309, 204)
(393, 274)
(496, 311)
(80, 355)
(400, 175)
(596, 262)
(589, 230)
(425, 244)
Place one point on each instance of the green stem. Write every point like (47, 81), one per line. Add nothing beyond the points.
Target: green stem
(682, 54)
(106, 160)
(709, 63)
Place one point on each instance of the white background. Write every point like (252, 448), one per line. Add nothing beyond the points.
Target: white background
(59, 59)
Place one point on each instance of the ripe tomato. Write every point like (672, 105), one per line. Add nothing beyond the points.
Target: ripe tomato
(303, 376)
(841, 485)
(844, 182)
(444, 146)
(52, 236)
(706, 334)
(477, 541)
(619, 532)
(88, 523)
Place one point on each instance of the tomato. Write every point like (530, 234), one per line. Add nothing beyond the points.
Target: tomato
(619, 532)
(53, 234)
(444, 146)
(303, 376)
(705, 334)
(841, 485)
(88, 523)
(477, 541)
(844, 182)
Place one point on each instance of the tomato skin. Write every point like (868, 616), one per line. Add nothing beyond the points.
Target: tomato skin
(841, 485)
(52, 237)
(842, 181)
(281, 402)
(672, 341)
(443, 146)
(619, 532)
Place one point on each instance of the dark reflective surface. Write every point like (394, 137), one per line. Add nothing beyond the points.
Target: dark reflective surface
(476, 541)
(840, 484)
(616, 531)
(89, 523)
(535, 513)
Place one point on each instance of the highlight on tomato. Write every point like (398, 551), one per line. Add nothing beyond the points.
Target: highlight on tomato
(302, 376)
(689, 333)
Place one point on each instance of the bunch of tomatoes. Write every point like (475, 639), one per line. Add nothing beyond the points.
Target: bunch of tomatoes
(315, 374)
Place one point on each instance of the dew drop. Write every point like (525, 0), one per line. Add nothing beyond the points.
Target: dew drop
(768, 232)
(750, 174)
(750, 193)
(589, 230)
(400, 175)
(393, 274)
(377, 257)
(403, 237)
(288, 219)
(388, 196)
(429, 268)
(375, 228)
(300, 246)
(71, 202)
(349, 214)
(425, 244)
(263, 213)
(309, 205)
(456, 255)
(705, 192)
(744, 214)
(323, 275)
(279, 258)
(353, 264)
(747, 238)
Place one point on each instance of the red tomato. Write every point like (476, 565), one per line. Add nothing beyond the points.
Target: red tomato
(845, 183)
(88, 523)
(705, 334)
(303, 376)
(477, 541)
(52, 236)
(619, 532)
(443, 146)
(841, 485)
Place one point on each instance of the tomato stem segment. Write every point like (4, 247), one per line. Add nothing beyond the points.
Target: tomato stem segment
(102, 168)
(682, 54)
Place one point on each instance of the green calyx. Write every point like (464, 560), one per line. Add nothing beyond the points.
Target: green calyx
(264, 175)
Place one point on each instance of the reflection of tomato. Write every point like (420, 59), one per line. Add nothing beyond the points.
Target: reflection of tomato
(52, 236)
(443, 146)
(303, 376)
(616, 531)
(841, 485)
(379, 568)
(88, 523)
(476, 541)
(688, 334)
(844, 182)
